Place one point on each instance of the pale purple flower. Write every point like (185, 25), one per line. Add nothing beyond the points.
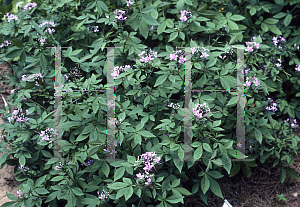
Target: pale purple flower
(119, 14)
(11, 17)
(184, 15)
(256, 82)
(29, 6)
(275, 41)
(19, 4)
(12, 91)
(248, 82)
(249, 49)
(272, 105)
(103, 195)
(19, 192)
(129, 3)
(297, 68)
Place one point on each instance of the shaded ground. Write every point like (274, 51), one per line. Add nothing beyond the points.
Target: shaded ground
(257, 191)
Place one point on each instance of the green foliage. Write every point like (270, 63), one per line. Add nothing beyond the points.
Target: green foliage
(142, 97)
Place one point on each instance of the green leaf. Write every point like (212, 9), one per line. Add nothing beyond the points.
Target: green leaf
(180, 152)
(215, 187)
(41, 191)
(292, 173)
(173, 36)
(14, 53)
(252, 11)
(207, 147)
(51, 196)
(216, 123)
(161, 28)
(160, 80)
(146, 133)
(236, 17)
(154, 14)
(232, 102)
(39, 181)
(23, 58)
(205, 184)
(22, 160)
(11, 196)
(119, 173)
(129, 193)
(77, 191)
(178, 163)
(170, 23)
(258, 135)
(271, 21)
(188, 2)
(274, 29)
(143, 27)
(183, 191)
(57, 178)
(287, 20)
(182, 35)
(175, 199)
(198, 153)
(147, 9)
(226, 163)
(264, 27)
(3, 158)
(117, 185)
(280, 15)
(180, 5)
(211, 63)
(232, 25)
(43, 62)
(149, 20)
(215, 174)
(105, 168)
(175, 183)
(282, 175)
(103, 5)
(235, 169)
(81, 137)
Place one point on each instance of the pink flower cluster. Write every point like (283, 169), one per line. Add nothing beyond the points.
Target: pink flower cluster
(229, 51)
(19, 116)
(19, 192)
(103, 195)
(118, 69)
(185, 15)
(250, 46)
(148, 159)
(254, 80)
(29, 6)
(272, 106)
(46, 135)
(6, 42)
(147, 58)
(200, 109)
(11, 17)
(119, 14)
(293, 124)
(129, 3)
(48, 29)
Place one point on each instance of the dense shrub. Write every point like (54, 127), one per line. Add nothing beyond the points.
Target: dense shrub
(149, 97)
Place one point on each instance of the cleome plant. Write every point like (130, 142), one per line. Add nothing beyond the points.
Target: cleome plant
(153, 42)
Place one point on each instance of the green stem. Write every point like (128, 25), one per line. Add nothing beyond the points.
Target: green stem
(39, 105)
